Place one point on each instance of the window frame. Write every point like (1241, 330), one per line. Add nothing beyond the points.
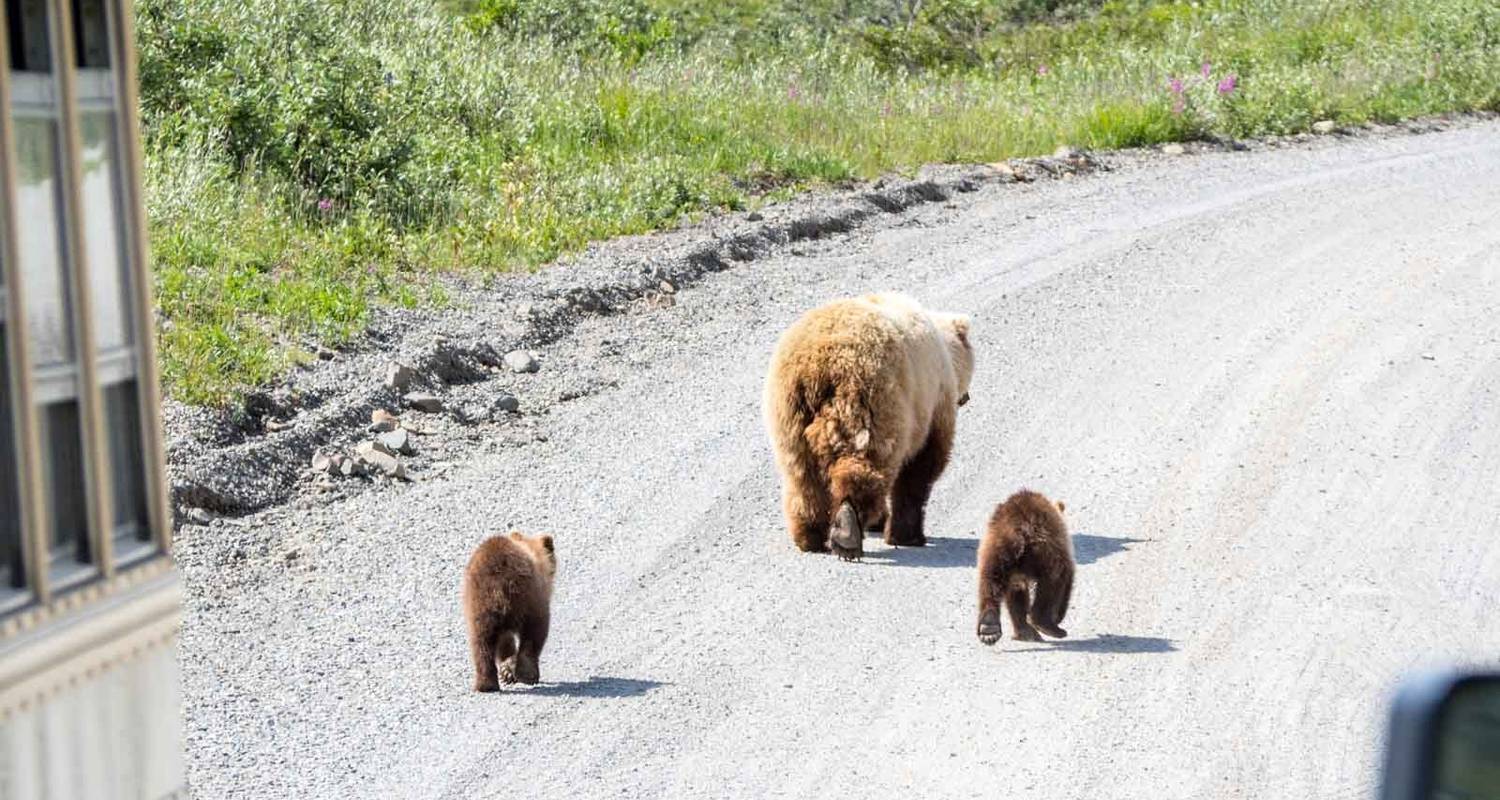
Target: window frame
(45, 590)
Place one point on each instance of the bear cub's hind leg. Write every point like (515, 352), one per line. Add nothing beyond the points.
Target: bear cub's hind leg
(1017, 602)
(1052, 596)
(505, 656)
(989, 623)
(528, 667)
(483, 640)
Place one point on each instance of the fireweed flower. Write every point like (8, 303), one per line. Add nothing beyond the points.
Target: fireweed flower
(1175, 85)
(1228, 84)
(325, 205)
(1206, 69)
(1042, 69)
(792, 92)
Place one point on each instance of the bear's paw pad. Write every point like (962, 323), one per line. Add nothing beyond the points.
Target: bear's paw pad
(989, 629)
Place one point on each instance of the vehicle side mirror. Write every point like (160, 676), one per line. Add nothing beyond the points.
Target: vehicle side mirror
(1444, 738)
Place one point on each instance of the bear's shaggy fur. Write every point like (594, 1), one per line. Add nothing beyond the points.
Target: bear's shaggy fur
(507, 598)
(860, 403)
(1027, 545)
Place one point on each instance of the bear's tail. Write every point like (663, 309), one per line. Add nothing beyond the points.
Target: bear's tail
(839, 436)
(822, 433)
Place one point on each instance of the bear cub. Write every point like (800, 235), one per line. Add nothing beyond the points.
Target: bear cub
(1026, 546)
(507, 598)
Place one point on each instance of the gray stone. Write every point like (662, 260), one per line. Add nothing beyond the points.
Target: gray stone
(422, 401)
(1325, 126)
(385, 464)
(1173, 149)
(322, 462)
(398, 376)
(398, 441)
(521, 361)
(351, 467)
(365, 449)
(382, 420)
(504, 404)
(200, 516)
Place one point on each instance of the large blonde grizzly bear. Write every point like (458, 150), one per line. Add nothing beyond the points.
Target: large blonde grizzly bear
(860, 403)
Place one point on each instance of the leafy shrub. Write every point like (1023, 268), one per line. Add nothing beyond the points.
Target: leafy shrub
(628, 28)
(283, 89)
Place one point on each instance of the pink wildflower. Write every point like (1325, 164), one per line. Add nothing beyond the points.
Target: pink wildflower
(1228, 84)
(1206, 70)
(1042, 69)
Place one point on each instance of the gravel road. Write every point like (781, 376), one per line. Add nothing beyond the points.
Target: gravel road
(1267, 385)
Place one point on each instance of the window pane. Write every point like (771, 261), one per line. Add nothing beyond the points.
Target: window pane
(62, 446)
(39, 241)
(127, 464)
(11, 573)
(90, 28)
(30, 48)
(103, 221)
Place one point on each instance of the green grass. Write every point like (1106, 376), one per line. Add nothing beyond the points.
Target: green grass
(308, 162)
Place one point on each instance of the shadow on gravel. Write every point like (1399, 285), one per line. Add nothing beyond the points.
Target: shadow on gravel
(1088, 548)
(1108, 643)
(941, 551)
(596, 686)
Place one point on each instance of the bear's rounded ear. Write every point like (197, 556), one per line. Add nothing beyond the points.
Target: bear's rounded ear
(961, 327)
(547, 542)
(1061, 507)
(517, 535)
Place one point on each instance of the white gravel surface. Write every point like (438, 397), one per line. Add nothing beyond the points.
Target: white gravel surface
(1267, 385)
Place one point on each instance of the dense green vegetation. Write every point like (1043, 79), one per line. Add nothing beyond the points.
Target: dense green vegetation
(307, 159)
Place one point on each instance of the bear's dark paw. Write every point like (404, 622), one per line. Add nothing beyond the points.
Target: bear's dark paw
(908, 540)
(989, 628)
(847, 539)
(1027, 634)
(527, 671)
(1052, 630)
(848, 553)
(482, 685)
